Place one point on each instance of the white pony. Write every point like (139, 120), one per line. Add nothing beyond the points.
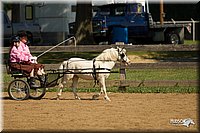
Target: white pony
(97, 69)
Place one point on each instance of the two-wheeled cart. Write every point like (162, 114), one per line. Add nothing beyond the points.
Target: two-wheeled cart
(19, 88)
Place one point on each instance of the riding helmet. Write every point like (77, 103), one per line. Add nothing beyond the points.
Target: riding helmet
(14, 39)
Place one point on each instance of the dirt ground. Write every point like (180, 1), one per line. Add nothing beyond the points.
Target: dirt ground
(126, 112)
(139, 59)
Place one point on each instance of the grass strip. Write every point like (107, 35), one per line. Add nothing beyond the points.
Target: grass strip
(135, 90)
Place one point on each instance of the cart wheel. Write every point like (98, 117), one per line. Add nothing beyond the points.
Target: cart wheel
(18, 89)
(37, 93)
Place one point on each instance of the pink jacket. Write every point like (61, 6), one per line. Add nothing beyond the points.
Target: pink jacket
(21, 53)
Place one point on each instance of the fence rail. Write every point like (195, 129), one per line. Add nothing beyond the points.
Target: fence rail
(100, 48)
(159, 65)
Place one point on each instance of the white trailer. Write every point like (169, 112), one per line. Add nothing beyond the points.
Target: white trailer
(54, 17)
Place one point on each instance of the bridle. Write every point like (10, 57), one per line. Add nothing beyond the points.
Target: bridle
(121, 55)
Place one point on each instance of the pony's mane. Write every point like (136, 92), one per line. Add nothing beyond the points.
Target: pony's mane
(108, 55)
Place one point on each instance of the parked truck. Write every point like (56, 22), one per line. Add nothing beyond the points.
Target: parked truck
(130, 23)
(33, 30)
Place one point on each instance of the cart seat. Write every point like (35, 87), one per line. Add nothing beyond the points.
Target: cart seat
(16, 73)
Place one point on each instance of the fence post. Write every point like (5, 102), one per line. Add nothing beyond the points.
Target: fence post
(122, 85)
(193, 30)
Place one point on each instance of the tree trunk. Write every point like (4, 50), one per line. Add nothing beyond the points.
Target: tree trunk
(83, 26)
(15, 13)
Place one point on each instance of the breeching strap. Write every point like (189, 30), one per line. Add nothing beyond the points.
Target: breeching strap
(94, 74)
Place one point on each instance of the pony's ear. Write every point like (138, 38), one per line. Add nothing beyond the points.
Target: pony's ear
(124, 50)
(118, 48)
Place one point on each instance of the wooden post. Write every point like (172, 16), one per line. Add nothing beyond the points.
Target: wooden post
(161, 12)
(122, 85)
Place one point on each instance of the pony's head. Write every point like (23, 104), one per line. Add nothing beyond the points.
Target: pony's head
(122, 56)
(114, 54)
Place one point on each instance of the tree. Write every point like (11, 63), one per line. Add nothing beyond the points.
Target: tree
(83, 25)
(7, 7)
(15, 8)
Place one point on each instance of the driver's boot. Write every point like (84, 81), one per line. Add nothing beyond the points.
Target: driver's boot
(42, 80)
(32, 83)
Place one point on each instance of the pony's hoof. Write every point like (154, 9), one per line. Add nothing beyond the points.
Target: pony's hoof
(94, 97)
(54, 98)
(107, 99)
(78, 98)
(57, 98)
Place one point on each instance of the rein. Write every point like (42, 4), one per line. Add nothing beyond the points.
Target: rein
(94, 74)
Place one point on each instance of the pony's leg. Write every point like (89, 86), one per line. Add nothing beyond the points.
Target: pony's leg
(103, 86)
(61, 86)
(97, 95)
(74, 86)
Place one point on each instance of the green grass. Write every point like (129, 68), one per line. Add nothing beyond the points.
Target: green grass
(136, 90)
(189, 42)
(158, 74)
(147, 74)
(162, 90)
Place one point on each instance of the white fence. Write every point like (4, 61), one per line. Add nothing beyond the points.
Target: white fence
(190, 25)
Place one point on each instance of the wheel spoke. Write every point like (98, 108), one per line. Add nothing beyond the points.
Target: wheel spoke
(18, 89)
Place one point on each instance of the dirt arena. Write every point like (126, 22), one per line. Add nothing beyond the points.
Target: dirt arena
(126, 112)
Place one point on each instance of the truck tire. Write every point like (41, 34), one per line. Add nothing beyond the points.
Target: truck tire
(173, 38)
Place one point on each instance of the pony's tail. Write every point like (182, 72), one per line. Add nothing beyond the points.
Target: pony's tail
(61, 68)
(63, 65)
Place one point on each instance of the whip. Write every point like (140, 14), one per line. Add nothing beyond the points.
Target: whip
(34, 58)
(57, 46)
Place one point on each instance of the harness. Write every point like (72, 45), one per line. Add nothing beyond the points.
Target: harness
(94, 69)
(94, 73)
